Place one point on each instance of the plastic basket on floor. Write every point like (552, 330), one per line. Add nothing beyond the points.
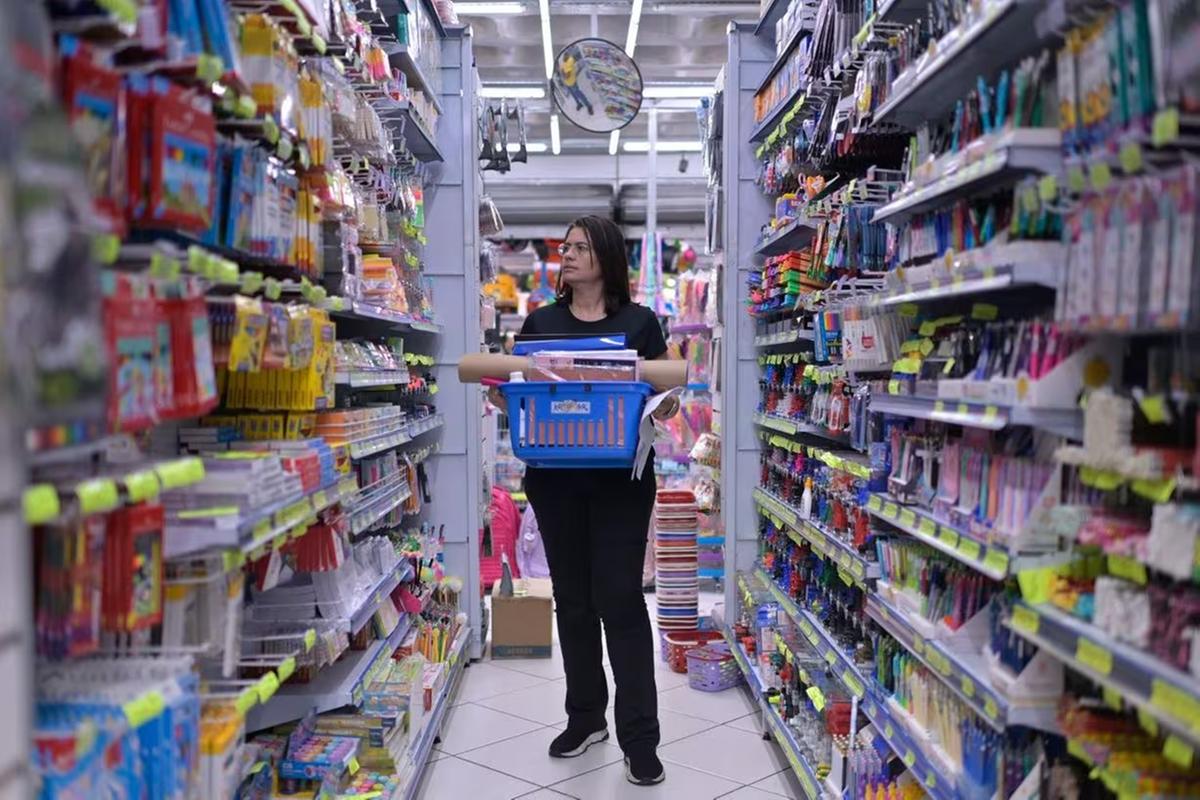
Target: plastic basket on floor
(712, 669)
(573, 424)
(680, 642)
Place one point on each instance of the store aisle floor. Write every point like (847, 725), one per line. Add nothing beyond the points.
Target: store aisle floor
(495, 739)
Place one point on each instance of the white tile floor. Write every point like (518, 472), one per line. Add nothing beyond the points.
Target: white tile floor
(494, 742)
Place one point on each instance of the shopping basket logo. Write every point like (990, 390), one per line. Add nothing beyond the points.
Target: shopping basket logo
(571, 407)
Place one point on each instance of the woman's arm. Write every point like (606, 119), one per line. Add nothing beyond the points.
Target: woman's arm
(670, 406)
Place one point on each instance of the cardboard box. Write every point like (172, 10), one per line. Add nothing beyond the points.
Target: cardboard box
(522, 624)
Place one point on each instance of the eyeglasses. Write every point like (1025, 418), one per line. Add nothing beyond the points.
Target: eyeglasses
(582, 248)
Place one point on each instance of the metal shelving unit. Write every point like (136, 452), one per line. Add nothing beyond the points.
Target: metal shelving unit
(998, 161)
(1001, 34)
(1066, 422)
(1168, 696)
(793, 236)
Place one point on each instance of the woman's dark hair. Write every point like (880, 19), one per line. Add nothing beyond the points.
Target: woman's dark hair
(608, 247)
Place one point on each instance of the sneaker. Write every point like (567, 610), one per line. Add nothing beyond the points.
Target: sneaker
(573, 742)
(644, 769)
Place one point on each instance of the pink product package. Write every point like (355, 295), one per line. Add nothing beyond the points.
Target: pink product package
(584, 365)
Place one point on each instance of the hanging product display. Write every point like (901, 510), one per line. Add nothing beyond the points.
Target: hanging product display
(226, 492)
(972, 303)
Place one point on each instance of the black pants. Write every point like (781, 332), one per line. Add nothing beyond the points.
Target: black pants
(594, 525)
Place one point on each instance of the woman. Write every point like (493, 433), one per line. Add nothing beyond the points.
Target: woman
(594, 522)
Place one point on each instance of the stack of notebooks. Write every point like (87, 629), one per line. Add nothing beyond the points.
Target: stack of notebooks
(677, 587)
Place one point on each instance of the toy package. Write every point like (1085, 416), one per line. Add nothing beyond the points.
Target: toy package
(133, 569)
(95, 99)
(131, 333)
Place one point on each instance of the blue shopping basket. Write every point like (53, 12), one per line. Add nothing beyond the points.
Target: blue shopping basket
(573, 424)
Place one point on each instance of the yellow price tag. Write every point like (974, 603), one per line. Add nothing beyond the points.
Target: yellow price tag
(990, 708)
(875, 503)
(1175, 701)
(1177, 751)
(817, 696)
(996, 560)
(969, 548)
(984, 311)
(310, 639)
(141, 485)
(145, 708)
(1094, 656)
(891, 510)
(1112, 698)
(968, 686)
(927, 526)
(40, 504)
(97, 495)
(286, 668)
(1025, 619)
(907, 517)
(1101, 175)
(910, 758)
(1148, 722)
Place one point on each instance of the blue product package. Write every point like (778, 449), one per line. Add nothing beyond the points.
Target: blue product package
(528, 346)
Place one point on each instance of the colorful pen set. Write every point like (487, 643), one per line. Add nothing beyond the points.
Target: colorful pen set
(949, 592)
(977, 484)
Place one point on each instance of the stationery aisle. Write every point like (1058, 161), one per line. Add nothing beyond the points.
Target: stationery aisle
(968, 268)
(227, 222)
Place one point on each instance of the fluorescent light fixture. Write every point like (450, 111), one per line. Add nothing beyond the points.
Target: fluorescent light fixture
(547, 48)
(555, 141)
(635, 19)
(668, 91)
(514, 92)
(662, 147)
(612, 143)
(488, 9)
(532, 147)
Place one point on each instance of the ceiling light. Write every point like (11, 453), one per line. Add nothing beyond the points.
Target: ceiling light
(663, 147)
(487, 9)
(514, 92)
(531, 147)
(676, 90)
(555, 141)
(635, 19)
(612, 143)
(547, 49)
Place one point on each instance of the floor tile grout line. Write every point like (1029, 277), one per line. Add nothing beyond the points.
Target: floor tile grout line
(505, 739)
(527, 780)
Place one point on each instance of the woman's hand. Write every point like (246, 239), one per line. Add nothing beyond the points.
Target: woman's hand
(496, 398)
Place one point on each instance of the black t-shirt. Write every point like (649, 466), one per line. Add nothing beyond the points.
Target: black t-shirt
(638, 323)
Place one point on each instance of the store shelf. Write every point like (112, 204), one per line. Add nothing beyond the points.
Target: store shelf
(1005, 33)
(773, 13)
(378, 443)
(793, 236)
(783, 55)
(421, 749)
(266, 528)
(1169, 696)
(363, 517)
(853, 567)
(401, 573)
(366, 312)
(983, 165)
(990, 560)
(337, 685)
(420, 141)
(966, 676)
(402, 59)
(1067, 422)
(902, 11)
(366, 379)
(872, 703)
(1017, 265)
(778, 728)
(792, 428)
(793, 336)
